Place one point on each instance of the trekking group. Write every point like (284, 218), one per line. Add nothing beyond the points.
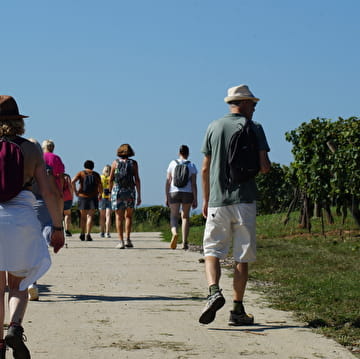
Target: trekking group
(36, 196)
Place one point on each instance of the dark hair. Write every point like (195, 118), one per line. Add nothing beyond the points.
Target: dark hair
(184, 150)
(125, 151)
(89, 165)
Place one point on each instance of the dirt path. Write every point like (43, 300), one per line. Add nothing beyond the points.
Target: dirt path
(101, 302)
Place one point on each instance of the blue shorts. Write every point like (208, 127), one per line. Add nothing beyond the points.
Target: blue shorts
(105, 203)
(67, 205)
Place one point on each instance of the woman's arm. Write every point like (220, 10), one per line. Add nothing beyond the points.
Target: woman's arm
(167, 189)
(205, 176)
(137, 183)
(194, 190)
(50, 194)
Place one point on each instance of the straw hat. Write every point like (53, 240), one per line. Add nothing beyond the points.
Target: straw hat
(239, 93)
(9, 109)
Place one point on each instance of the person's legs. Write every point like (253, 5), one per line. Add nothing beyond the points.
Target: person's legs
(17, 306)
(89, 220)
(128, 224)
(174, 217)
(102, 221)
(83, 219)
(2, 302)
(185, 223)
(212, 270)
(244, 251)
(67, 222)
(240, 280)
(215, 299)
(108, 220)
(119, 222)
(174, 220)
(18, 299)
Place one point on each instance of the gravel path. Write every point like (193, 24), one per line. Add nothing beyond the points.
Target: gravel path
(100, 302)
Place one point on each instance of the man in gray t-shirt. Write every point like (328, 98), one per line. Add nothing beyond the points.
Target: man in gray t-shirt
(230, 210)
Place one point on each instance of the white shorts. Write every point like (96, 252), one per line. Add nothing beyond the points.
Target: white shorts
(234, 224)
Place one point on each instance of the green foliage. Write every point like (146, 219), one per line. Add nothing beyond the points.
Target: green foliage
(153, 215)
(197, 220)
(327, 162)
(275, 191)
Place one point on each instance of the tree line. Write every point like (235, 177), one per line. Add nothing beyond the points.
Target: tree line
(325, 172)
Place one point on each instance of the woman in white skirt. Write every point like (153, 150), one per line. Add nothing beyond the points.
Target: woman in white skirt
(24, 256)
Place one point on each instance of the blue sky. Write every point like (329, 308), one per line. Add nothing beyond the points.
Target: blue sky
(93, 75)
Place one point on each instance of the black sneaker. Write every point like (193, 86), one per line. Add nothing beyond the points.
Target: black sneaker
(3, 352)
(214, 303)
(240, 319)
(15, 340)
(68, 234)
(129, 244)
(88, 237)
(82, 236)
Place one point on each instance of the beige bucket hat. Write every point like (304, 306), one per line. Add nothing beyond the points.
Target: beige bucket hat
(240, 92)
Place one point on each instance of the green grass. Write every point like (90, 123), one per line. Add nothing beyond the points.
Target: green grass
(314, 275)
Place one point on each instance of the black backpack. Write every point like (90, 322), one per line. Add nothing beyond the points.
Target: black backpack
(181, 174)
(90, 184)
(242, 161)
(124, 174)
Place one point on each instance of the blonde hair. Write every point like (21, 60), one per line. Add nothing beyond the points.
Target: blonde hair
(106, 170)
(12, 127)
(48, 145)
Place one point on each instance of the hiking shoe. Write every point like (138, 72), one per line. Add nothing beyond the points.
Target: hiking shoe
(68, 234)
(129, 243)
(15, 340)
(33, 292)
(3, 351)
(107, 235)
(102, 235)
(240, 319)
(185, 247)
(214, 303)
(82, 236)
(121, 245)
(173, 242)
(88, 237)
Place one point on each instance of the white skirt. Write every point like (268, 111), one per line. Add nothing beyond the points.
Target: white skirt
(23, 249)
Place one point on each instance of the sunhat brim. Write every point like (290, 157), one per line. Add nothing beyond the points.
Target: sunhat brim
(12, 117)
(228, 99)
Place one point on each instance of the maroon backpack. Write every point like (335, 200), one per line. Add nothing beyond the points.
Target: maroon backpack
(11, 168)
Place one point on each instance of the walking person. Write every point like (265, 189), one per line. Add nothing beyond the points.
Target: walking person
(68, 196)
(24, 255)
(181, 192)
(55, 162)
(42, 213)
(229, 207)
(125, 192)
(105, 203)
(88, 194)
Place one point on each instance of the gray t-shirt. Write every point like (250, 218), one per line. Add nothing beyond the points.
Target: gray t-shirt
(215, 144)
